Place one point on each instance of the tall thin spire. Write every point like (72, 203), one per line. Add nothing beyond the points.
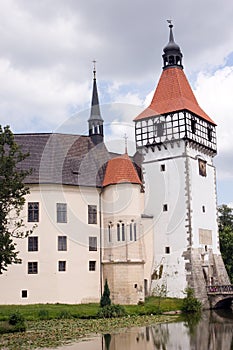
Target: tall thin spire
(95, 121)
(172, 56)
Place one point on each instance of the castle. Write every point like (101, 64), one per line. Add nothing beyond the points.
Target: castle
(144, 223)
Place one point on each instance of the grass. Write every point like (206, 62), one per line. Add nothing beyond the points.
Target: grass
(50, 311)
(56, 311)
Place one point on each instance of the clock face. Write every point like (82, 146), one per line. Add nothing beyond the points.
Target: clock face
(202, 167)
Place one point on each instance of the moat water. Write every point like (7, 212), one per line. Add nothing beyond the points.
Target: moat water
(213, 331)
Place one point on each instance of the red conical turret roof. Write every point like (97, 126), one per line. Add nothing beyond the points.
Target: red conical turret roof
(121, 170)
(173, 94)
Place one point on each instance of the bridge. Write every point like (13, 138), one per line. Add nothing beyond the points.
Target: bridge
(220, 296)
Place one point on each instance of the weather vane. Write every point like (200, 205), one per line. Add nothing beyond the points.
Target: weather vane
(169, 21)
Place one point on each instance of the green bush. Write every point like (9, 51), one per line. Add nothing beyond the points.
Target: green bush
(43, 314)
(110, 311)
(16, 320)
(64, 314)
(190, 303)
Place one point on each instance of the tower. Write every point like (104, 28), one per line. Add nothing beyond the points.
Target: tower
(95, 122)
(178, 142)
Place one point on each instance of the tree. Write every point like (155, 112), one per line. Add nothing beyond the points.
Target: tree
(12, 198)
(226, 237)
(105, 299)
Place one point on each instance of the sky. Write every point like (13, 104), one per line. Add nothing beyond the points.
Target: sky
(46, 53)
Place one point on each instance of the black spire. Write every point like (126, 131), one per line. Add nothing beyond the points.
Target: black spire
(95, 121)
(172, 56)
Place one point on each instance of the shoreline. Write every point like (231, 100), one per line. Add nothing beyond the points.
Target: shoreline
(55, 333)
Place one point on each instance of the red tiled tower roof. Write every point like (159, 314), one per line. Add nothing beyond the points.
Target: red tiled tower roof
(121, 170)
(173, 93)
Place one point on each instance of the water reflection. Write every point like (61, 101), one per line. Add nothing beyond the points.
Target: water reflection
(213, 331)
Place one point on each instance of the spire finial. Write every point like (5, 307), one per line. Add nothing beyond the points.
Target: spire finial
(126, 146)
(172, 56)
(94, 68)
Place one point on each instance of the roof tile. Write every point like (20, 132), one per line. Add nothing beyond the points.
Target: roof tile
(173, 93)
(120, 170)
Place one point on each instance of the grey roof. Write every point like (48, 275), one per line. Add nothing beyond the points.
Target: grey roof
(63, 159)
(95, 108)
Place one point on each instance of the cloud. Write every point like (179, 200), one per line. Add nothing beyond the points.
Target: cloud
(214, 94)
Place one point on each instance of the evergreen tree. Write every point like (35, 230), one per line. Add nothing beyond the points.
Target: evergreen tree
(12, 198)
(105, 299)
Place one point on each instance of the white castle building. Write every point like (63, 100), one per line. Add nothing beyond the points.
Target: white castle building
(140, 222)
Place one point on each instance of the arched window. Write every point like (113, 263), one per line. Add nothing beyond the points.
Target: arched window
(123, 231)
(135, 231)
(118, 232)
(131, 231)
(109, 232)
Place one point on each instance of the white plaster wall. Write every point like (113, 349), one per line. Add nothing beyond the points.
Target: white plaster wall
(168, 187)
(77, 284)
(122, 199)
(203, 193)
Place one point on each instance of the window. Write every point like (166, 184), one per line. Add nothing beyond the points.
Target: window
(61, 266)
(165, 207)
(160, 129)
(209, 133)
(193, 125)
(92, 265)
(24, 294)
(109, 232)
(123, 232)
(162, 167)
(92, 244)
(32, 267)
(33, 211)
(33, 244)
(167, 250)
(118, 232)
(92, 214)
(61, 212)
(62, 243)
(135, 231)
(203, 209)
(131, 231)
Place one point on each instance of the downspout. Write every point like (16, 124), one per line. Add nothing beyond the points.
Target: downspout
(100, 221)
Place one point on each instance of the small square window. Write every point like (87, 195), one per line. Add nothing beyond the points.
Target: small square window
(62, 212)
(92, 265)
(92, 214)
(61, 266)
(62, 243)
(33, 211)
(167, 250)
(92, 244)
(33, 244)
(24, 294)
(32, 267)
(165, 207)
(162, 167)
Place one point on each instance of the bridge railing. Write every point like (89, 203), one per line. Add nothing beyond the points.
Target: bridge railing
(225, 289)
